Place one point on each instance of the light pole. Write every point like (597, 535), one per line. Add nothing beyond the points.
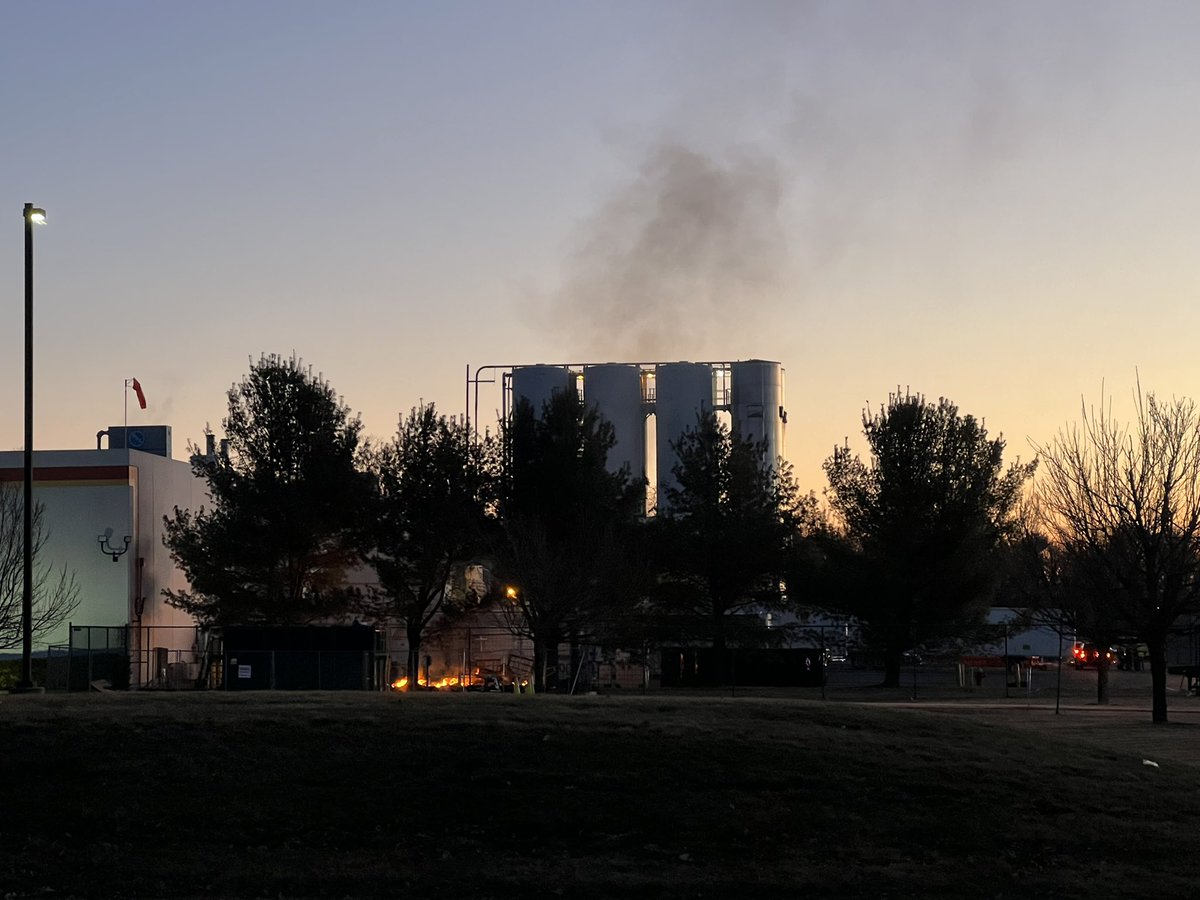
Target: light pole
(33, 216)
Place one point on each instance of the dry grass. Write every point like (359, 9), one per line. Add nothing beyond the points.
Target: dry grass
(351, 795)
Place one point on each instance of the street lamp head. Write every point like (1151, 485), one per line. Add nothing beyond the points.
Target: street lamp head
(37, 216)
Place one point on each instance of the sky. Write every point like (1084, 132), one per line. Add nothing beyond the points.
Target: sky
(998, 203)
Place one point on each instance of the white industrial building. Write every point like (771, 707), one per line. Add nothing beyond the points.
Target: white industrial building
(103, 519)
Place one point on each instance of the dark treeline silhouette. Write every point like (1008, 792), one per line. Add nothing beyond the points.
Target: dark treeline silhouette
(914, 544)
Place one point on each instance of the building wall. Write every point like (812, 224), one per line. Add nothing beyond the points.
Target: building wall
(84, 493)
(162, 485)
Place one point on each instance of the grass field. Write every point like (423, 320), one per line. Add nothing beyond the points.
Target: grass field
(477, 796)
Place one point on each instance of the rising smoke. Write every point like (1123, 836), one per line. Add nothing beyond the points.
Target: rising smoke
(879, 150)
(690, 249)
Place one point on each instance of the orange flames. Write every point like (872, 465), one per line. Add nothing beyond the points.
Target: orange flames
(454, 682)
(446, 681)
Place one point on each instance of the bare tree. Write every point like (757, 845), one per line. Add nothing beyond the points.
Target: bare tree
(1123, 504)
(55, 592)
(1055, 591)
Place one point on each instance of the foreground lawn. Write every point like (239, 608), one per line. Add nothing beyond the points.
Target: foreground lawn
(477, 796)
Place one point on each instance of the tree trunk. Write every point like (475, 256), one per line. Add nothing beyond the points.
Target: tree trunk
(718, 628)
(1102, 678)
(893, 660)
(414, 663)
(545, 662)
(1158, 681)
(413, 631)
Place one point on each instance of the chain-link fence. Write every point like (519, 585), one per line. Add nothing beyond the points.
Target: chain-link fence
(95, 656)
(119, 657)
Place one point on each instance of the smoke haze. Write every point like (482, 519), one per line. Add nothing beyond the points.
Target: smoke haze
(793, 168)
(691, 247)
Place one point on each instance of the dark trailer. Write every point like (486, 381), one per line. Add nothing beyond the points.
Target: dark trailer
(302, 658)
(742, 666)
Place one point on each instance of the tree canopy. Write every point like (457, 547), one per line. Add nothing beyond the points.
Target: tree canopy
(278, 540)
(723, 536)
(565, 519)
(1053, 590)
(1123, 504)
(921, 522)
(433, 484)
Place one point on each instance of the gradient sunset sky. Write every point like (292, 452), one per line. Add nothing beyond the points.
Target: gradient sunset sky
(994, 202)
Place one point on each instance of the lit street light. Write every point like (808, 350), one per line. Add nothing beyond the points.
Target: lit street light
(33, 216)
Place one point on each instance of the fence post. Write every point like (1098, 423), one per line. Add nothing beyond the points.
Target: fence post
(824, 670)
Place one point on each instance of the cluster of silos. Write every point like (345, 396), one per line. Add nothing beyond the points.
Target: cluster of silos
(675, 394)
(616, 390)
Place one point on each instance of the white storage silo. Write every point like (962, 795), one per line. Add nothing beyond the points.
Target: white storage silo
(683, 390)
(756, 404)
(616, 391)
(537, 383)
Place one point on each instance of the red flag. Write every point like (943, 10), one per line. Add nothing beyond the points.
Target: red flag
(137, 389)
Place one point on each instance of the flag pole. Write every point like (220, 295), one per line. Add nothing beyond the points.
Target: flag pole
(125, 439)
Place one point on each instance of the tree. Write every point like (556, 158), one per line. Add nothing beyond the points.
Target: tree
(429, 513)
(921, 524)
(566, 524)
(278, 540)
(724, 536)
(1047, 582)
(1124, 505)
(55, 592)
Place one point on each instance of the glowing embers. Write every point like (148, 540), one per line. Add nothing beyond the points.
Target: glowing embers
(446, 682)
(477, 681)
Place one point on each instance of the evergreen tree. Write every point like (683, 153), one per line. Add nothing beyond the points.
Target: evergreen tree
(922, 523)
(277, 542)
(724, 536)
(566, 524)
(433, 484)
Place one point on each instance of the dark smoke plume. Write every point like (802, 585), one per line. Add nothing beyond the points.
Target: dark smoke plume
(680, 260)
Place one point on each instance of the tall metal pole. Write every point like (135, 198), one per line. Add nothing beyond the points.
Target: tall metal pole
(26, 682)
(1058, 677)
(1006, 663)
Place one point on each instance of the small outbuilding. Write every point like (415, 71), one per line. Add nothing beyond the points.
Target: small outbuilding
(743, 666)
(302, 658)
